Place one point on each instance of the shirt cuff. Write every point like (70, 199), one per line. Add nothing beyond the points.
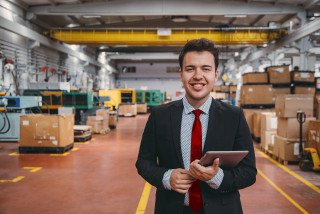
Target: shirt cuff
(216, 181)
(166, 179)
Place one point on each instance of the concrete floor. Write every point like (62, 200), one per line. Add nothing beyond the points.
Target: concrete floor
(100, 177)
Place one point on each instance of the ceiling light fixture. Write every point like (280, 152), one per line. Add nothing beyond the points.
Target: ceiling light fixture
(91, 16)
(235, 16)
(179, 18)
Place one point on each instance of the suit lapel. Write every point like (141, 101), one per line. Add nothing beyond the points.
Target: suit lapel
(212, 127)
(176, 118)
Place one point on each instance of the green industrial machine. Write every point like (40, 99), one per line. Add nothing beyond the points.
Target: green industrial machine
(141, 96)
(153, 97)
(77, 100)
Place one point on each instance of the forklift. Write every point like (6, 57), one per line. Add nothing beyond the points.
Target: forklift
(309, 157)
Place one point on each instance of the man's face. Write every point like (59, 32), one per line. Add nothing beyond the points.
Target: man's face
(198, 76)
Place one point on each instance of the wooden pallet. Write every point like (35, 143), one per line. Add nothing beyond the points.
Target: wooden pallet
(82, 139)
(102, 132)
(37, 150)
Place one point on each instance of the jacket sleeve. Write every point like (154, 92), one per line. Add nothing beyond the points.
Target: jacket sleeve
(146, 164)
(244, 174)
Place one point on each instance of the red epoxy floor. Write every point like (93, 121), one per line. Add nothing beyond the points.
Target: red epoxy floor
(100, 177)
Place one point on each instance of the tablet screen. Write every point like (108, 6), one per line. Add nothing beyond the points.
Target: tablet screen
(227, 159)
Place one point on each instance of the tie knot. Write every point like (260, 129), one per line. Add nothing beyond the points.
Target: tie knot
(197, 112)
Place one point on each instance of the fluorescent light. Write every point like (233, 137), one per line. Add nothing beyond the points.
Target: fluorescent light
(236, 54)
(235, 16)
(179, 18)
(91, 16)
(265, 45)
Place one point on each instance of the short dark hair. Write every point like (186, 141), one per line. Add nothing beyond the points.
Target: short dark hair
(202, 44)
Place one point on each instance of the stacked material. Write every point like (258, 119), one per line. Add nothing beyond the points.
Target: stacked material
(82, 133)
(128, 109)
(303, 82)
(314, 135)
(98, 124)
(142, 108)
(45, 133)
(104, 113)
(256, 90)
(286, 142)
(269, 124)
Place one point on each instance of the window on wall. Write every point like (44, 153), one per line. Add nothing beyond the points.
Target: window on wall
(126, 69)
(173, 69)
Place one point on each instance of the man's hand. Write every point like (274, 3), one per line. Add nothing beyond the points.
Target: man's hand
(204, 173)
(181, 180)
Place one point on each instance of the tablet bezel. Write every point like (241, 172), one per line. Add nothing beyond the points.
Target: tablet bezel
(227, 159)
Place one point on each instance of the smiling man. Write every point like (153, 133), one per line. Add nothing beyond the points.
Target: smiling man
(178, 134)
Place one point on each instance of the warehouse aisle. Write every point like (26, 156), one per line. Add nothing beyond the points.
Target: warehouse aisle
(100, 177)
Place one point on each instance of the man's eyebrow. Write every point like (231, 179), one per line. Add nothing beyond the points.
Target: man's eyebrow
(207, 66)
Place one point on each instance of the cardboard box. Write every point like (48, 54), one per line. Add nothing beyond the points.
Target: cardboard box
(128, 109)
(267, 138)
(217, 88)
(248, 114)
(255, 77)
(317, 106)
(219, 95)
(314, 135)
(304, 90)
(66, 110)
(290, 128)
(269, 121)
(302, 76)
(104, 113)
(142, 108)
(257, 122)
(287, 105)
(257, 94)
(279, 74)
(285, 149)
(233, 88)
(277, 91)
(45, 130)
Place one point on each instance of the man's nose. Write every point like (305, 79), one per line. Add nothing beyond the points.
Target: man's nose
(197, 74)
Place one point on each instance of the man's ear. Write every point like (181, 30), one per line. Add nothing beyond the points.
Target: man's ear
(180, 72)
(217, 74)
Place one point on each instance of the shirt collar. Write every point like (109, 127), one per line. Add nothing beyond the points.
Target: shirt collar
(204, 108)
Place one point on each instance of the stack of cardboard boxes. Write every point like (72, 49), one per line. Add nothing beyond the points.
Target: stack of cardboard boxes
(286, 142)
(100, 122)
(269, 125)
(303, 82)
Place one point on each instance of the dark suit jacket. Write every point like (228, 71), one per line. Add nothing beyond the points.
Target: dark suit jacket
(227, 130)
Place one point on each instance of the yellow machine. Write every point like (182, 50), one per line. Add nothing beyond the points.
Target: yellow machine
(310, 161)
(51, 99)
(115, 98)
(128, 96)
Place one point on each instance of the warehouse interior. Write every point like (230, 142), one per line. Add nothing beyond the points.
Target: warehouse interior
(78, 79)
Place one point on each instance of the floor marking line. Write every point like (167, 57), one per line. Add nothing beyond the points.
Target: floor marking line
(33, 169)
(74, 149)
(144, 199)
(283, 193)
(13, 180)
(312, 186)
(64, 154)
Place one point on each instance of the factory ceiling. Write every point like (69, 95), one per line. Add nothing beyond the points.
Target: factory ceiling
(206, 15)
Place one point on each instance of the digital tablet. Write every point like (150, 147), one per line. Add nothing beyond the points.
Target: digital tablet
(227, 159)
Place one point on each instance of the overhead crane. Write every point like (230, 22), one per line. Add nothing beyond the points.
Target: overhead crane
(221, 36)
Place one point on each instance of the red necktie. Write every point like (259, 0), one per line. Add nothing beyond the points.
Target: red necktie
(195, 199)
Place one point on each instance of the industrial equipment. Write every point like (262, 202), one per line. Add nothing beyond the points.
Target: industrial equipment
(115, 98)
(141, 96)
(77, 100)
(11, 108)
(309, 157)
(52, 100)
(128, 96)
(153, 97)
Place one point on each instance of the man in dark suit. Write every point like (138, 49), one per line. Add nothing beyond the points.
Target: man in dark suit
(179, 133)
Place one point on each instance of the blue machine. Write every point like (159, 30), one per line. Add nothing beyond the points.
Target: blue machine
(11, 108)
